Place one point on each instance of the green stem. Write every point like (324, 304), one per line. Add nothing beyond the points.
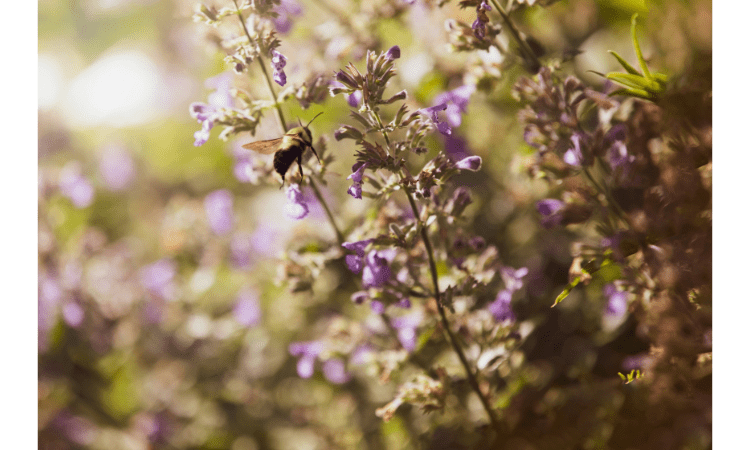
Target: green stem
(523, 45)
(318, 194)
(444, 319)
(262, 65)
(280, 114)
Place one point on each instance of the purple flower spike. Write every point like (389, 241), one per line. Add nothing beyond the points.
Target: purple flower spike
(297, 207)
(472, 163)
(550, 209)
(356, 262)
(218, 205)
(286, 10)
(406, 327)
(335, 371)
(393, 53)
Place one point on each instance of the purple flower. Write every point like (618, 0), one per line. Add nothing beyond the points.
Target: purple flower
(456, 146)
(297, 207)
(117, 168)
(356, 262)
(479, 25)
(456, 100)
(286, 9)
(244, 170)
(207, 114)
(501, 309)
(308, 352)
(358, 170)
(75, 186)
(393, 53)
(377, 272)
(550, 209)
(433, 111)
(278, 61)
(617, 301)
(335, 371)
(472, 163)
(247, 309)
(354, 99)
(241, 249)
(574, 156)
(157, 278)
(512, 278)
(73, 314)
(359, 297)
(218, 205)
(377, 307)
(406, 327)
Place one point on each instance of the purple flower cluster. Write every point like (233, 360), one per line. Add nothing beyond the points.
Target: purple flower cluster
(551, 211)
(278, 61)
(334, 369)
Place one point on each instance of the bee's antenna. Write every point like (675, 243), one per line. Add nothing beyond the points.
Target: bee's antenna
(300, 122)
(308, 123)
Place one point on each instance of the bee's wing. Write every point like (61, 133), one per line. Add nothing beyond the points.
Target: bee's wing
(265, 147)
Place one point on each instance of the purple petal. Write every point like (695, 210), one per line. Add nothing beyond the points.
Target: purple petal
(247, 310)
(219, 210)
(393, 53)
(335, 371)
(472, 163)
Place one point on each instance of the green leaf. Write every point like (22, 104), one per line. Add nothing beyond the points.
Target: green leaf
(633, 81)
(637, 47)
(624, 63)
(565, 292)
(640, 93)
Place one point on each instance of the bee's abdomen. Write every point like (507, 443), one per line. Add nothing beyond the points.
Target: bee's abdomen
(283, 159)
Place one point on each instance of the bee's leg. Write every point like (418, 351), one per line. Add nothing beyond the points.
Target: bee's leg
(282, 182)
(299, 163)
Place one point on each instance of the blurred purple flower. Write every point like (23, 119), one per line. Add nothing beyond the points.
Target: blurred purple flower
(247, 310)
(550, 209)
(297, 207)
(73, 314)
(207, 114)
(219, 210)
(456, 147)
(479, 25)
(377, 307)
(472, 163)
(244, 170)
(241, 249)
(117, 168)
(512, 278)
(617, 301)
(286, 10)
(377, 272)
(278, 61)
(50, 295)
(78, 429)
(359, 297)
(574, 156)
(335, 371)
(157, 278)
(75, 186)
(456, 101)
(406, 327)
(501, 309)
(642, 361)
(358, 170)
(308, 352)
